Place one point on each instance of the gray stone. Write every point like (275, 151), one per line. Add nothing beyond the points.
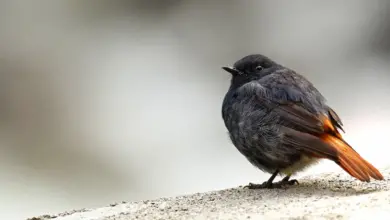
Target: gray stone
(325, 196)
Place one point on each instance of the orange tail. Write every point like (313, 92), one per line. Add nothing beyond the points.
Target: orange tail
(351, 161)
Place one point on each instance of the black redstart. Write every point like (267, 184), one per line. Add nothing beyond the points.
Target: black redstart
(281, 123)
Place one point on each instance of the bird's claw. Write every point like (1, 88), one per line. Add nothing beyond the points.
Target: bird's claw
(292, 182)
(264, 185)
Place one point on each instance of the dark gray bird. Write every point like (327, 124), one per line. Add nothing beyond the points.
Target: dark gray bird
(281, 123)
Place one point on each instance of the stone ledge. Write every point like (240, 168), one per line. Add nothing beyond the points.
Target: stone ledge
(325, 196)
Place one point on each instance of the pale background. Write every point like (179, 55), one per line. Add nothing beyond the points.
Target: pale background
(104, 101)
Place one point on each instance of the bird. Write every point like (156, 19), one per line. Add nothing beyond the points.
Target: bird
(283, 125)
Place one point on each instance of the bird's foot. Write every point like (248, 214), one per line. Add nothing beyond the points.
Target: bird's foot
(268, 185)
(288, 182)
(265, 185)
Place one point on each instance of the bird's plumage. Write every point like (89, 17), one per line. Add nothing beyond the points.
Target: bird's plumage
(279, 121)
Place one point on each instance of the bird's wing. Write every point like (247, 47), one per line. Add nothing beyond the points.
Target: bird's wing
(314, 134)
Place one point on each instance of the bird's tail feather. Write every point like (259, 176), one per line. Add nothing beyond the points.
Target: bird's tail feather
(351, 161)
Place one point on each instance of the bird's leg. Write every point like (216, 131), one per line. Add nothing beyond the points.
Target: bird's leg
(269, 184)
(266, 185)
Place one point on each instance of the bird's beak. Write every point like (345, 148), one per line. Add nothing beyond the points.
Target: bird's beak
(231, 70)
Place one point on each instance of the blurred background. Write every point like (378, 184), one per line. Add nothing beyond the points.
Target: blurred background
(105, 101)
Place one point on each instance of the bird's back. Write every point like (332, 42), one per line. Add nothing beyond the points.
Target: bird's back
(280, 87)
(288, 86)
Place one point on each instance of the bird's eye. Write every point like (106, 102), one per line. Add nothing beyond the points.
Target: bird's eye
(259, 68)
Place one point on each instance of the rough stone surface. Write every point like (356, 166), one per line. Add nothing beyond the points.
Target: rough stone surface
(325, 196)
